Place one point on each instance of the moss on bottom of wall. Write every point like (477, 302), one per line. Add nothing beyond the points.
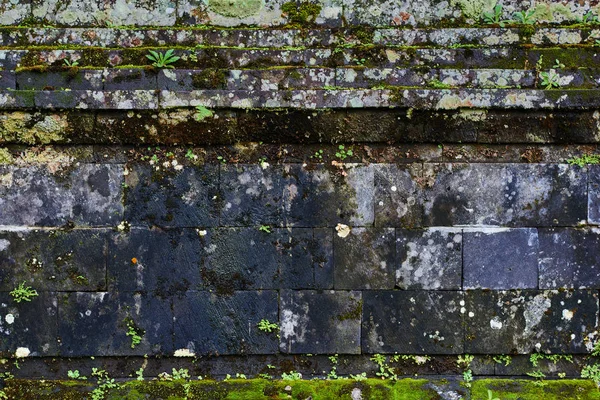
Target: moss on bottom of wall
(237, 389)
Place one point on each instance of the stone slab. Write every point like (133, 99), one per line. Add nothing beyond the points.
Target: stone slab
(208, 324)
(21, 325)
(412, 322)
(398, 196)
(170, 197)
(53, 260)
(96, 324)
(429, 259)
(317, 322)
(365, 259)
(528, 321)
(40, 196)
(500, 258)
(504, 194)
(594, 195)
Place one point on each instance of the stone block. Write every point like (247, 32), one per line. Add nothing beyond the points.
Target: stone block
(159, 261)
(398, 196)
(594, 195)
(130, 79)
(412, 322)
(209, 324)
(500, 258)
(170, 197)
(49, 80)
(504, 194)
(569, 258)
(429, 259)
(320, 322)
(528, 321)
(88, 194)
(365, 259)
(53, 260)
(7, 80)
(32, 326)
(96, 324)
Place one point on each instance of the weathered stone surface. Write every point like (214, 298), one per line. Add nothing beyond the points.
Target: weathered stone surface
(594, 195)
(206, 323)
(412, 322)
(365, 259)
(82, 80)
(500, 258)
(320, 322)
(29, 325)
(42, 196)
(569, 258)
(157, 261)
(527, 321)
(162, 195)
(398, 196)
(130, 79)
(504, 194)
(53, 260)
(429, 259)
(96, 324)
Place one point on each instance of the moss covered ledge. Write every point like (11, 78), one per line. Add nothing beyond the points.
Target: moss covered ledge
(406, 389)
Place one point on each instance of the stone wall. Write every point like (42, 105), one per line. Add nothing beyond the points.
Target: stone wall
(396, 186)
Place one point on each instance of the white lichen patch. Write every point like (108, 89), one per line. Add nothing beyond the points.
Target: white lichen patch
(184, 353)
(496, 323)
(342, 230)
(22, 352)
(534, 312)
(567, 315)
(9, 318)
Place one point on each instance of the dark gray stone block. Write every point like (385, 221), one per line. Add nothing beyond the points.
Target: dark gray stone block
(412, 322)
(130, 79)
(594, 195)
(505, 194)
(48, 80)
(161, 262)
(306, 258)
(320, 322)
(96, 324)
(365, 259)
(31, 325)
(398, 197)
(7, 80)
(53, 260)
(429, 259)
(526, 321)
(569, 258)
(500, 258)
(88, 194)
(206, 323)
(185, 198)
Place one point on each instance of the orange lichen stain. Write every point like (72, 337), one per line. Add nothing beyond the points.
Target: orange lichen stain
(134, 260)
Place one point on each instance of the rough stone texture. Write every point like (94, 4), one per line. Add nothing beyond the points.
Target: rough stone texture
(418, 322)
(365, 259)
(206, 323)
(594, 195)
(505, 194)
(86, 194)
(430, 259)
(506, 322)
(500, 258)
(320, 322)
(569, 258)
(20, 325)
(398, 197)
(96, 324)
(53, 260)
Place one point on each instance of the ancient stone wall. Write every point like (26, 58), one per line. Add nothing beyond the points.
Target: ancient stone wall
(331, 188)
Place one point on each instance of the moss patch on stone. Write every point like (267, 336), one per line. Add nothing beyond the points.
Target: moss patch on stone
(301, 14)
(513, 389)
(235, 8)
(28, 128)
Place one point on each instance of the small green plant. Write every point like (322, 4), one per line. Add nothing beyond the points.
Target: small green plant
(539, 376)
(525, 17)
(437, 84)
(23, 293)
(70, 64)
(75, 375)
(587, 159)
(179, 374)
(221, 159)
(190, 155)
(105, 383)
(318, 154)
(591, 372)
(240, 376)
(494, 16)
(140, 374)
(359, 377)
(468, 377)
(135, 333)
(267, 326)
(503, 359)
(202, 113)
(265, 228)
(550, 79)
(291, 376)
(162, 60)
(342, 153)
(491, 396)
(589, 19)
(333, 373)
(464, 361)
(558, 64)
(385, 371)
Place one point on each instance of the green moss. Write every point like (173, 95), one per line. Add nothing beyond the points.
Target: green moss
(21, 127)
(235, 8)
(473, 9)
(5, 156)
(355, 311)
(301, 14)
(210, 78)
(513, 389)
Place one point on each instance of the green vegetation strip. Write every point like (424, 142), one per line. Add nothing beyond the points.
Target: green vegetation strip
(234, 389)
